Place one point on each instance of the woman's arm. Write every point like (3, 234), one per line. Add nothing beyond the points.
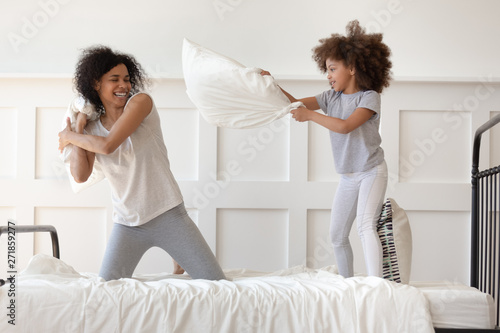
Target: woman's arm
(81, 161)
(136, 110)
(342, 126)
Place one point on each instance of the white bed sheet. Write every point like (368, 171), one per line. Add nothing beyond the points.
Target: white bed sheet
(52, 297)
(455, 305)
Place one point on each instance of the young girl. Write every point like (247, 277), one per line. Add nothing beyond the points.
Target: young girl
(358, 68)
(127, 143)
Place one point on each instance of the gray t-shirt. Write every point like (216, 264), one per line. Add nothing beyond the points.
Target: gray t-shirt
(360, 149)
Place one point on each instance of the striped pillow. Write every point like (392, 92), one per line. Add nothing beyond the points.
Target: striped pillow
(395, 235)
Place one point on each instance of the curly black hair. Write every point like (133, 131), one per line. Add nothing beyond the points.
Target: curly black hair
(366, 53)
(96, 61)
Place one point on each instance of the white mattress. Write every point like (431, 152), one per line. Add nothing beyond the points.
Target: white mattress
(52, 297)
(455, 305)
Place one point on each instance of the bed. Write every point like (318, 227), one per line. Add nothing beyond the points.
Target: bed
(50, 296)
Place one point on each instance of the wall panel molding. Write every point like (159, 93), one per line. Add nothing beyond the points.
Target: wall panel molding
(282, 196)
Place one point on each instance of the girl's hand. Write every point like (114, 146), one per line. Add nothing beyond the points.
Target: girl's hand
(301, 114)
(62, 135)
(264, 73)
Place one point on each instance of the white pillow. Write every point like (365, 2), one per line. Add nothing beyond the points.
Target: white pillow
(228, 94)
(80, 104)
(45, 264)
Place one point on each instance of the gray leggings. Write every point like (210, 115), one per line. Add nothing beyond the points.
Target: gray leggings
(174, 232)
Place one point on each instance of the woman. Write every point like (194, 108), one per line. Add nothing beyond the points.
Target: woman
(127, 143)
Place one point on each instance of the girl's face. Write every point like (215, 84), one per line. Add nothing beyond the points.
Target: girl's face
(340, 77)
(114, 87)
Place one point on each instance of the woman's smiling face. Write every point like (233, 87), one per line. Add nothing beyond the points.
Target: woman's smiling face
(114, 87)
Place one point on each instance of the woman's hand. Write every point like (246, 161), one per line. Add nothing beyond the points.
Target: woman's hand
(263, 72)
(81, 122)
(63, 142)
(301, 114)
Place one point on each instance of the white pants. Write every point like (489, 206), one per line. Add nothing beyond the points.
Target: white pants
(359, 196)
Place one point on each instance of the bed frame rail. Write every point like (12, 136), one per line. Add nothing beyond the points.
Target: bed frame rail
(485, 232)
(36, 228)
(33, 228)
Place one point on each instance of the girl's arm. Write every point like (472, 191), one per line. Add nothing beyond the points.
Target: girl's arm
(342, 126)
(310, 102)
(137, 109)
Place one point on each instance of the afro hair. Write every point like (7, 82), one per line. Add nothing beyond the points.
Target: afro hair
(366, 53)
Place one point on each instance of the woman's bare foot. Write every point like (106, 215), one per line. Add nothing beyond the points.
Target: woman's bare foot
(177, 268)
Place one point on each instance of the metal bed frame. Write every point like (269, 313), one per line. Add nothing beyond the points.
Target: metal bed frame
(485, 229)
(485, 210)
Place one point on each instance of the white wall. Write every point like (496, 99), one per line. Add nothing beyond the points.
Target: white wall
(272, 211)
(450, 38)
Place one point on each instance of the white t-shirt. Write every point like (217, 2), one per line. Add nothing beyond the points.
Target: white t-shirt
(138, 171)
